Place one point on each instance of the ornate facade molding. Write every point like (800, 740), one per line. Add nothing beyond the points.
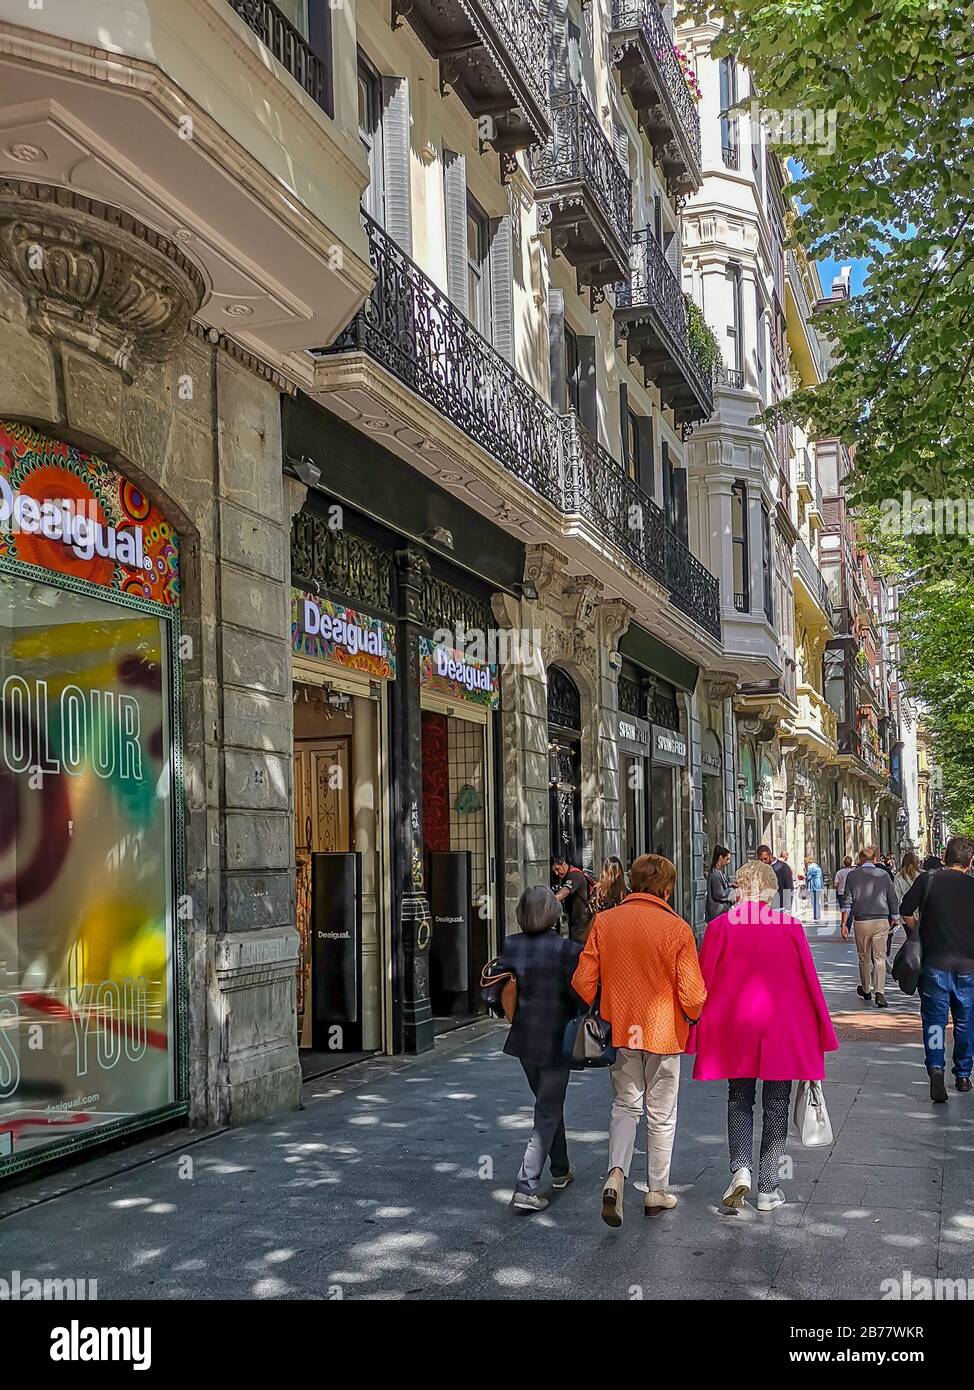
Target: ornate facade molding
(246, 358)
(95, 277)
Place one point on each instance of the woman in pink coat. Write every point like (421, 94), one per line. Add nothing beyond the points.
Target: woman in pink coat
(765, 1018)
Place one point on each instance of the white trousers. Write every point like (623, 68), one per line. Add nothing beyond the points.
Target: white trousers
(650, 1082)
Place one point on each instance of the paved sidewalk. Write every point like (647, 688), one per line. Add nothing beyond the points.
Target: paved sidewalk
(394, 1182)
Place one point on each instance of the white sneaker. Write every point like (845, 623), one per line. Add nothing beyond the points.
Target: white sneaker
(767, 1201)
(740, 1186)
(529, 1201)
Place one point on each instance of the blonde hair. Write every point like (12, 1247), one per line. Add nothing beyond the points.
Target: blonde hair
(757, 881)
(651, 873)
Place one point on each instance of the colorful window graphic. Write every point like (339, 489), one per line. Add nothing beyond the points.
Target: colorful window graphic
(87, 996)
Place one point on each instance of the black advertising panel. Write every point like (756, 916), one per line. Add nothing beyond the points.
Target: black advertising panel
(336, 937)
(449, 892)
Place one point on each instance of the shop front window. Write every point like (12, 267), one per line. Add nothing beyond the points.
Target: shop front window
(87, 1013)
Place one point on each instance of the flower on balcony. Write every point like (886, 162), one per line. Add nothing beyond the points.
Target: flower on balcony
(703, 343)
(689, 72)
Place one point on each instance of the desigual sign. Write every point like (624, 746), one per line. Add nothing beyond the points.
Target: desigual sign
(457, 676)
(328, 631)
(67, 512)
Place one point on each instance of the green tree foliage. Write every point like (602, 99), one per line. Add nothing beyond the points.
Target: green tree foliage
(897, 190)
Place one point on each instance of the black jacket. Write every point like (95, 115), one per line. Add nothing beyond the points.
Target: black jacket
(544, 963)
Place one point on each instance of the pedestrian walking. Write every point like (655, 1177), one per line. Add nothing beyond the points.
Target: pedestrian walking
(872, 907)
(906, 875)
(611, 887)
(944, 900)
(542, 962)
(720, 894)
(765, 1020)
(842, 900)
(889, 864)
(783, 873)
(641, 959)
(576, 892)
(815, 880)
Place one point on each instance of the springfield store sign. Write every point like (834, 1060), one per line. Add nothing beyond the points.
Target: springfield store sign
(328, 631)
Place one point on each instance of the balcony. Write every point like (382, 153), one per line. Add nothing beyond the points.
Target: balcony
(816, 726)
(653, 322)
(584, 193)
(598, 488)
(650, 72)
(856, 747)
(575, 488)
(495, 55)
(813, 580)
(290, 47)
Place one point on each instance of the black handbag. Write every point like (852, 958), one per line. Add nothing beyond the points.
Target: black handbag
(908, 962)
(588, 1040)
(906, 968)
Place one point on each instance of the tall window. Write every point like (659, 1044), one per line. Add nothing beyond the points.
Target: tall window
(297, 12)
(735, 329)
(478, 269)
(728, 124)
(370, 133)
(572, 371)
(632, 445)
(742, 572)
(767, 563)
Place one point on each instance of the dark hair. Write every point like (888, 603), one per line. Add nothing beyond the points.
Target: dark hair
(960, 850)
(932, 862)
(761, 848)
(537, 910)
(719, 853)
(651, 873)
(847, 862)
(559, 859)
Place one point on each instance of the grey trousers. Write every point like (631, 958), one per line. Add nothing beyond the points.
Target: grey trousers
(641, 1081)
(549, 1085)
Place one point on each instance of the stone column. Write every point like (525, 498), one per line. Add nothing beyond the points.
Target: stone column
(411, 906)
(614, 619)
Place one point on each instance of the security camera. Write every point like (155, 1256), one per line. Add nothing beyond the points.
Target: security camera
(306, 471)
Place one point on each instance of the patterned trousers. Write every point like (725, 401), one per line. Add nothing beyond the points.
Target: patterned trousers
(775, 1095)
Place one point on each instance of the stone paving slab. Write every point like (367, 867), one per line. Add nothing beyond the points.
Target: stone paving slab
(394, 1181)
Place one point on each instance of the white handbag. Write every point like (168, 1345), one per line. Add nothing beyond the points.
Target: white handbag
(811, 1118)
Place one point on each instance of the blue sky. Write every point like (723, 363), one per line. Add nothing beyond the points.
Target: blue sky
(828, 270)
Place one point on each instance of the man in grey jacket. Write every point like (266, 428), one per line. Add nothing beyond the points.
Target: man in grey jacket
(872, 897)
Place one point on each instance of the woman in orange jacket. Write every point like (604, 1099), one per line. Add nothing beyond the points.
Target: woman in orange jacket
(641, 958)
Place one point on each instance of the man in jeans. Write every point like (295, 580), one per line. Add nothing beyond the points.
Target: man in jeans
(944, 899)
(872, 896)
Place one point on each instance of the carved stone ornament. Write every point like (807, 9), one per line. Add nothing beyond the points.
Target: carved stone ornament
(95, 277)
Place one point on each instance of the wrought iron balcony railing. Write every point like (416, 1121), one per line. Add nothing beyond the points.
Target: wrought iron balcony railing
(651, 316)
(642, 46)
(289, 46)
(585, 192)
(813, 578)
(730, 376)
(495, 54)
(416, 332)
(599, 489)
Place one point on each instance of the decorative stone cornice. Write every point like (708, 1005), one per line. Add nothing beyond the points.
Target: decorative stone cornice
(95, 277)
